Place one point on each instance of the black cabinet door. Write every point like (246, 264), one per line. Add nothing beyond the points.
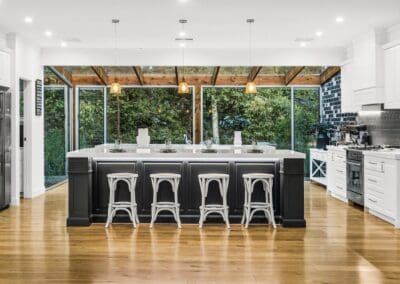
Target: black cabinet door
(194, 196)
(101, 192)
(165, 192)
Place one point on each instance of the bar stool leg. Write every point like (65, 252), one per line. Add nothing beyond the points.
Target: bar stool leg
(153, 205)
(225, 183)
(271, 208)
(250, 185)
(244, 217)
(175, 187)
(202, 207)
(110, 202)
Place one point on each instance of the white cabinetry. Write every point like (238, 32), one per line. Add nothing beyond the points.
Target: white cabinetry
(368, 79)
(392, 76)
(336, 173)
(5, 71)
(381, 187)
(348, 101)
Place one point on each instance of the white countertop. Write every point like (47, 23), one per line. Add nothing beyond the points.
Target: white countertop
(185, 153)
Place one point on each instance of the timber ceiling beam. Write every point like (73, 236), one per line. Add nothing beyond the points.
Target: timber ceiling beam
(176, 76)
(101, 74)
(62, 74)
(139, 74)
(329, 73)
(215, 75)
(292, 74)
(253, 73)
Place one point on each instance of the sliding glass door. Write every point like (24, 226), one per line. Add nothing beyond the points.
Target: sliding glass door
(56, 133)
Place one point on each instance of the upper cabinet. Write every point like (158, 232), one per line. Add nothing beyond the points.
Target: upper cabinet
(392, 76)
(368, 78)
(348, 101)
(5, 71)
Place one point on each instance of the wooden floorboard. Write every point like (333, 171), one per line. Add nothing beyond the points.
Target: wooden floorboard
(341, 244)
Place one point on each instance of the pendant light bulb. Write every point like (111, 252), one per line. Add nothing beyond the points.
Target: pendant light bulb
(115, 88)
(251, 87)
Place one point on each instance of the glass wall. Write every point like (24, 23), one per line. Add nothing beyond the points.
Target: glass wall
(264, 117)
(167, 114)
(56, 133)
(306, 115)
(90, 112)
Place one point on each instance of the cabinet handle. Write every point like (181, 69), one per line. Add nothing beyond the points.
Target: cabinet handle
(339, 171)
(382, 167)
(339, 187)
(372, 180)
(372, 163)
(374, 201)
(340, 157)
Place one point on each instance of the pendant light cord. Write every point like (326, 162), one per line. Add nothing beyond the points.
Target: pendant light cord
(250, 42)
(183, 55)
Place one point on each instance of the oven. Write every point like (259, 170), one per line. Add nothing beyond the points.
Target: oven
(355, 176)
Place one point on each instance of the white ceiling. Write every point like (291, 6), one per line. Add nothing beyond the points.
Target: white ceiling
(212, 23)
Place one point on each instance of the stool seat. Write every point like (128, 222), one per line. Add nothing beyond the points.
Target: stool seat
(122, 175)
(258, 176)
(250, 207)
(213, 176)
(171, 206)
(165, 175)
(206, 209)
(129, 207)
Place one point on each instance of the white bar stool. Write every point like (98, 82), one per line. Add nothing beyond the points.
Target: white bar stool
(128, 206)
(222, 209)
(251, 207)
(158, 206)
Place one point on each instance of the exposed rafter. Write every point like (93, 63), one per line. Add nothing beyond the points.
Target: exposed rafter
(139, 74)
(101, 74)
(176, 76)
(215, 75)
(329, 73)
(292, 74)
(62, 74)
(253, 73)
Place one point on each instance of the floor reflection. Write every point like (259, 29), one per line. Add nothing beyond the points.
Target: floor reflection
(341, 244)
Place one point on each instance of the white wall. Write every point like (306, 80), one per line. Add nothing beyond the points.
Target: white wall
(198, 57)
(26, 65)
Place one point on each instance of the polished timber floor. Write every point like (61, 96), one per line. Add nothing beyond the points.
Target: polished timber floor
(341, 244)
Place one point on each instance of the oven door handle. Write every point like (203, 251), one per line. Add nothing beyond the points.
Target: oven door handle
(354, 164)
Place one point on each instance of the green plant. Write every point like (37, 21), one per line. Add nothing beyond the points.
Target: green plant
(237, 122)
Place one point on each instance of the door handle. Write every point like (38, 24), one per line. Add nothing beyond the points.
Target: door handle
(372, 180)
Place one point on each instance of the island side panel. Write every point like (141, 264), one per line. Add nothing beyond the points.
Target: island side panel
(79, 191)
(292, 193)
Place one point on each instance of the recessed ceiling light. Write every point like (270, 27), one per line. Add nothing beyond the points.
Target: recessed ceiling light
(28, 20)
(182, 33)
(303, 44)
(48, 33)
(319, 33)
(182, 44)
(63, 44)
(339, 19)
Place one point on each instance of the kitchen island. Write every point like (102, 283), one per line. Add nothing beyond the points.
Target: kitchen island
(89, 193)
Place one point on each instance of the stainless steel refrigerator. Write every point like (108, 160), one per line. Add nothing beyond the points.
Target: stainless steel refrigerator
(5, 148)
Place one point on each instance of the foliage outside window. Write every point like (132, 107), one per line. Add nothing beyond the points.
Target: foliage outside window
(168, 115)
(91, 117)
(268, 113)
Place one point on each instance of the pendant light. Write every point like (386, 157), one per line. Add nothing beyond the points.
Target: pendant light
(251, 87)
(115, 86)
(183, 87)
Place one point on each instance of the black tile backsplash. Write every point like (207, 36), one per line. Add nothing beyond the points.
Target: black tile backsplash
(331, 111)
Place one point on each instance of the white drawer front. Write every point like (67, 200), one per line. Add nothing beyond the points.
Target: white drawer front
(374, 202)
(373, 164)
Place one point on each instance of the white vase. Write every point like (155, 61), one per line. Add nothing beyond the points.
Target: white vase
(143, 138)
(237, 138)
